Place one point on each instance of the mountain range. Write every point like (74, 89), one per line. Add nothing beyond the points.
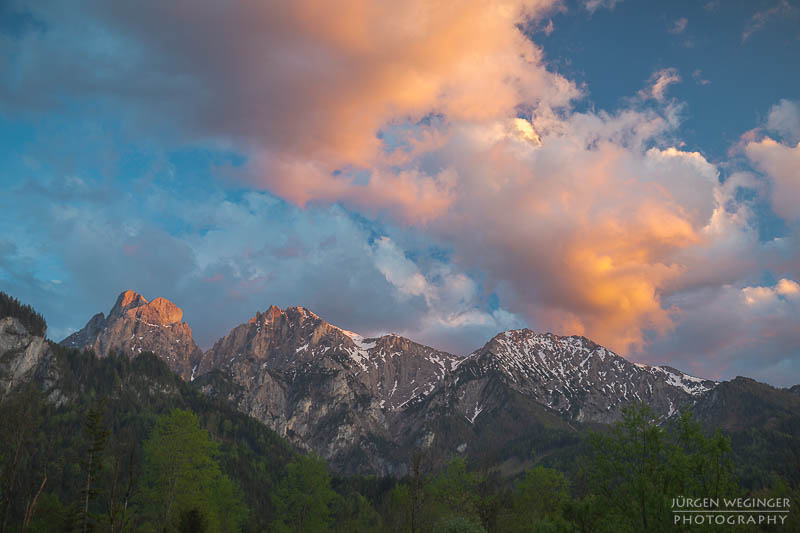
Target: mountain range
(367, 404)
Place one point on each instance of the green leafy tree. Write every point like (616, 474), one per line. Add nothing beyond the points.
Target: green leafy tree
(302, 502)
(353, 513)
(489, 500)
(395, 509)
(183, 482)
(538, 503)
(454, 491)
(639, 466)
(458, 524)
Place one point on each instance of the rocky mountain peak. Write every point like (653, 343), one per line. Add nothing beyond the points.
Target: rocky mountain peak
(272, 314)
(135, 325)
(160, 310)
(126, 300)
(166, 311)
(579, 378)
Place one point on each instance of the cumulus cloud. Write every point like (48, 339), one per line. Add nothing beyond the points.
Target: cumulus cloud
(745, 330)
(306, 87)
(582, 231)
(781, 163)
(452, 299)
(784, 119)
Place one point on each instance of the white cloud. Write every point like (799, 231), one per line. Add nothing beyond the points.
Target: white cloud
(784, 119)
(729, 330)
(593, 5)
(781, 163)
(452, 299)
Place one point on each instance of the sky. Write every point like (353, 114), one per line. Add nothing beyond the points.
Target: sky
(619, 169)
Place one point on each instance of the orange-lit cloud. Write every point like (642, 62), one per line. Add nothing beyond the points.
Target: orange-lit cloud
(574, 217)
(585, 232)
(308, 85)
(444, 116)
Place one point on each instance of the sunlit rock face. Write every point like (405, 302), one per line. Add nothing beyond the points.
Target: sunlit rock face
(135, 325)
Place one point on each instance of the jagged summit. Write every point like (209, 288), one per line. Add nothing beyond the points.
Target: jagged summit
(135, 325)
(160, 310)
(126, 300)
(296, 336)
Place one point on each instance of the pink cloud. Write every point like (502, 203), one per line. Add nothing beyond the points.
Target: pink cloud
(583, 222)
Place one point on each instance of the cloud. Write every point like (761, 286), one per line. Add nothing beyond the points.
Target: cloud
(581, 232)
(745, 330)
(659, 82)
(679, 26)
(781, 164)
(232, 257)
(593, 5)
(784, 119)
(306, 99)
(761, 18)
(371, 132)
(452, 299)
(697, 74)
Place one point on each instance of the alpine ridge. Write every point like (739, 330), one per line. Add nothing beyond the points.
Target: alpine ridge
(576, 377)
(365, 404)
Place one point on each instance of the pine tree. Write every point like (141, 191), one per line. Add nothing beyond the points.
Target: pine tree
(98, 437)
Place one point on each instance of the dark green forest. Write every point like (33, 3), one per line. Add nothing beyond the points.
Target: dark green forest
(125, 445)
(33, 321)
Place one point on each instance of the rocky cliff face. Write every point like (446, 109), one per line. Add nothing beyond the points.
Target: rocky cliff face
(135, 325)
(24, 358)
(365, 403)
(324, 388)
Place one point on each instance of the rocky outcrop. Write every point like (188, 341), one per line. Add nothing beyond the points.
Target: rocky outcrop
(24, 358)
(135, 325)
